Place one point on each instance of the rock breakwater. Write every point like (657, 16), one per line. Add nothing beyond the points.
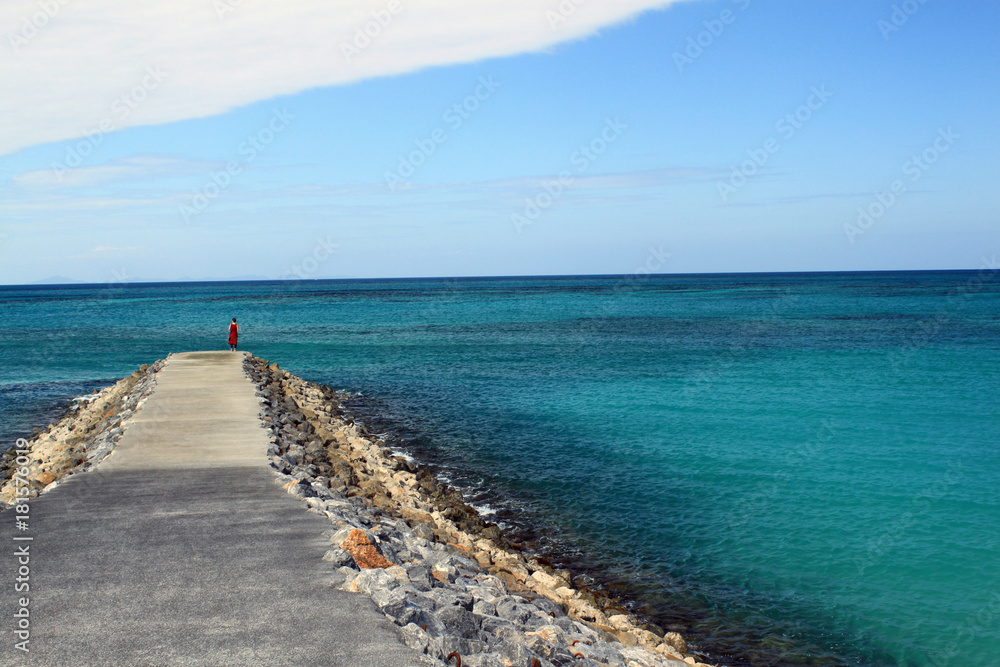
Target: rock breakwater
(458, 590)
(84, 436)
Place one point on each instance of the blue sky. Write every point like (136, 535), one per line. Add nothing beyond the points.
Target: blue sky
(796, 136)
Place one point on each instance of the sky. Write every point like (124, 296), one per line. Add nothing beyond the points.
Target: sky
(247, 139)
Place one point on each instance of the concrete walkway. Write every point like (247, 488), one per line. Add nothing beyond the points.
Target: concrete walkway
(181, 550)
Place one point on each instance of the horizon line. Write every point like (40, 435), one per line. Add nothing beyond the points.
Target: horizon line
(540, 276)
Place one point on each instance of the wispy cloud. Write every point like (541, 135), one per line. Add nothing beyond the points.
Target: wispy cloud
(648, 178)
(148, 185)
(142, 167)
(800, 199)
(107, 251)
(104, 248)
(637, 180)
(104, 62)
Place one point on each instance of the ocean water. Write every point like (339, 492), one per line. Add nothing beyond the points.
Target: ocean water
(793, 468)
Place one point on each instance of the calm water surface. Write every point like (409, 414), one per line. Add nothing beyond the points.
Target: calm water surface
(797, 468)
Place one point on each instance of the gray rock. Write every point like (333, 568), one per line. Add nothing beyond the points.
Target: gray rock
(301, 490)
(459, 622)
(496, 630)
(358, 502)
(538, 618)
(386, 531)
(499, 628)
(422, 530)
(420, 577)
(369, 581)
(567, 624)
(401, 605)
(484, 608)
(340, 558)
(513, 611)
(515, 651)
(446, 597)
(490, 588)
(601, 653)
(547, 606)
(321, 490)
(484, 660)
(386, 549)
(281, 479)
(462, 646)
(415, 637)
(279, 464)
(546, 649)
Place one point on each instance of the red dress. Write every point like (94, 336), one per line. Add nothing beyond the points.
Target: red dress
(233, 333)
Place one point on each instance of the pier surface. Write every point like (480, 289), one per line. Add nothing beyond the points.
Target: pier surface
(179, 549)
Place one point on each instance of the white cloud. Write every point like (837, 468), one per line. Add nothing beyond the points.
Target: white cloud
(79, 64)
(646, 178)
(104, 248)
(115, 171)
(109, 250)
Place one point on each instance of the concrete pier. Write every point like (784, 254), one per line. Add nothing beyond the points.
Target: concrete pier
(180, 549)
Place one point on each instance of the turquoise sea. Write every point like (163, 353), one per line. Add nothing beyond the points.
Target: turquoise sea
(794, 468)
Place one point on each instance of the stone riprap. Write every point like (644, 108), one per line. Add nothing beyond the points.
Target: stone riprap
(458, 590)
(178, 549)
(86, 434)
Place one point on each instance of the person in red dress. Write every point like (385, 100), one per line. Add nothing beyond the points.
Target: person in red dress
(234, 334)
